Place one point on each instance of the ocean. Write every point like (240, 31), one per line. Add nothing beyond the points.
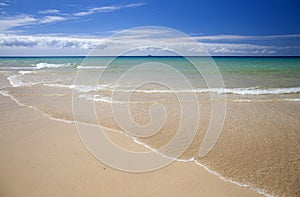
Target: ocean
(259, 145)
(257, 73)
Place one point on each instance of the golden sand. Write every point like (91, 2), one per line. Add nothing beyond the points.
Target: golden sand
(258, 147)
(43, 157)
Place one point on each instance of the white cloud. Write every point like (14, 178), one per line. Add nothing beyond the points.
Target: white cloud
(16, 21)
(7, 24)
(82, 13)
(154, 40)
(16, 41)
(242, 37)
(51, 19)
(132, 5)
(241, 49)
(107, 9)
(3, 4)
(124, 43)
(49, 11)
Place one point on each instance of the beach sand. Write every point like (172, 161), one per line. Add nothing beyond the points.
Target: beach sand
(43, 157)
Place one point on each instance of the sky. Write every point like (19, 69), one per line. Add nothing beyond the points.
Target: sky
(75, 27)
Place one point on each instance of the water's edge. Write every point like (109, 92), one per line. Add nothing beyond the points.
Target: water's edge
(134, 139)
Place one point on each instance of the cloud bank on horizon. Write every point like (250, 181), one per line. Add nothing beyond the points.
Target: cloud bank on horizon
(73, 29)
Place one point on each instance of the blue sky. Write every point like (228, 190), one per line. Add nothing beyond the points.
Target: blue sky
(70, 27)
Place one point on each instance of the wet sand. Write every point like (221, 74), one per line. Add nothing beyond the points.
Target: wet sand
(43, 157)
(258, 147)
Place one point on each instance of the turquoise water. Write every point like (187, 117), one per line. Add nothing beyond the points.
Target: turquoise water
(237, 72)
(265, 72)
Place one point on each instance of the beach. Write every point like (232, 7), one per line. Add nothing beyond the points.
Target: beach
(43, 157)
(149, 98)
(257, 152)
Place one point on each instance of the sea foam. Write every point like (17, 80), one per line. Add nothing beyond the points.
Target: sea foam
(47, 65)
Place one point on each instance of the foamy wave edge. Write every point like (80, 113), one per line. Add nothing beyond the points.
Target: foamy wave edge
(16, 82)
(47, 65)
(5, 93)
(37, 66)
(239, 91)
(258, 190)
(43, 65)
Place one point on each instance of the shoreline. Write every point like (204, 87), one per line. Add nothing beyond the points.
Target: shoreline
(261, 121)
(244, 190)
(193, 160)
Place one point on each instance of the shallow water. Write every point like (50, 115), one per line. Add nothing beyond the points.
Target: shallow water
(259, 143)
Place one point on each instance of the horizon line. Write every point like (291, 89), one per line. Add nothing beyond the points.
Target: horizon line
(154, 56)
